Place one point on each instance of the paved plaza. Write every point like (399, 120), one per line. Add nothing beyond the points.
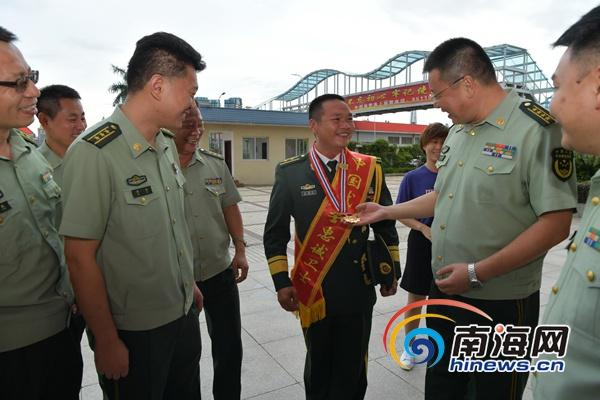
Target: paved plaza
(273, 344)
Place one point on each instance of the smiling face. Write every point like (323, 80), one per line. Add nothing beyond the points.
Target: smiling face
(450, 97)
(66, 125)
(334, 127)
(576, 102)
(188, 136)
(432, 149)
(16, 109)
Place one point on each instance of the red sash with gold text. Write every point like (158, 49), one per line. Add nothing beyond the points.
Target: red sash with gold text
(327, 233)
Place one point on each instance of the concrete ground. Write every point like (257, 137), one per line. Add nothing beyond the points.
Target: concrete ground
(273, 345)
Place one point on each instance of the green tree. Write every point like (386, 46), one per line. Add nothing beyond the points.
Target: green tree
(119, 88)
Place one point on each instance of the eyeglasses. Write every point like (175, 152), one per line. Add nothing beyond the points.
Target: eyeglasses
(436, 96)
(21, 84)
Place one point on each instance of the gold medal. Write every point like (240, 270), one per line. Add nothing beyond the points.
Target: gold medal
(351, 219)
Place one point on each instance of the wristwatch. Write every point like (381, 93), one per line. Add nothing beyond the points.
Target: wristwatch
(473, 281)
(240, 240)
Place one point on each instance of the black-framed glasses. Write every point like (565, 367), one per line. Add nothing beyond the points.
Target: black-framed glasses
(436, 96)
(20, 85)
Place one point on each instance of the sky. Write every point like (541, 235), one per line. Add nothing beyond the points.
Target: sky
(255, 49)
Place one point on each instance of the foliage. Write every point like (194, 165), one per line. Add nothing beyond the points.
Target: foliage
(119, 88)
(394, 159)
(586, 166)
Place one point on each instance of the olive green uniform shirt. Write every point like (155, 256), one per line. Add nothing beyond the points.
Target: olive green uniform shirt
(35, 293)
(121, 191)
(487, 200)
(209, 188)
(575, 301)
(56, 163)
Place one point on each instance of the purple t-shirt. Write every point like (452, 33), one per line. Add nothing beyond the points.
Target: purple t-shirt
(416, 183)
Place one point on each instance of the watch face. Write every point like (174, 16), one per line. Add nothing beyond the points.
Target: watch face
(476, 284)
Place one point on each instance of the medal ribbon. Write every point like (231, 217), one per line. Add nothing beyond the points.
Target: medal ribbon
(336, 199)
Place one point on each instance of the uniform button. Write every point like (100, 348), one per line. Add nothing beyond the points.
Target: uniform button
(354, 241)
(591, 276)
(595, 200)
(45, 233)
(31, 199)
(451, 195)
(442, 227)
(573, 247)
(472, 132)
(143, 200)
(440, 258)
(554, 289)
(167, 188)
(490, 168)
(355, 261)
(461, 163)
(173, 221)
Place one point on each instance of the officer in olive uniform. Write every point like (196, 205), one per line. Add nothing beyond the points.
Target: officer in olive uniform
(38, 358)
(127, 243)
(337, 344)
(213, 217)
(575, 298)
(504, 195)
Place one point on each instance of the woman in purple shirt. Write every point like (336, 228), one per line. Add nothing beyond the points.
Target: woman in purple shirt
(417, 276)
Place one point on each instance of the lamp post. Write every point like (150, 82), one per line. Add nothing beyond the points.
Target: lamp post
(219, 99)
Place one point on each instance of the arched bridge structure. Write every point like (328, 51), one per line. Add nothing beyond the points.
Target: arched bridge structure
(399, 84)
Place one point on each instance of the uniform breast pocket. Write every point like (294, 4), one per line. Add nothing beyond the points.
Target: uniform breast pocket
(493, 179)
(584, 288)
(52, 190)
(14, 231)
(142, 211)
(216, 190)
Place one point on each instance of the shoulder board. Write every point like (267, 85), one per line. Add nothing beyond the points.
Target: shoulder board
(293, 160)
(26, 137)
(537, 113)
(167, 133)
(103, 135)
(211, 153)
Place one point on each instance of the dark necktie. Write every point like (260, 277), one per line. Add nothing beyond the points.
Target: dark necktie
(332, 166)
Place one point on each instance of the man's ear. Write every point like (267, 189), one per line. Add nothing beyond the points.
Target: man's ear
(596, 82)
(43, 118)
(156, 86)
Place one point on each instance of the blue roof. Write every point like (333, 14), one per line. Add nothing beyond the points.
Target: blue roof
(253, 116)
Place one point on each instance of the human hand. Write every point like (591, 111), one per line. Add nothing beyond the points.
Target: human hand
(426, 231)
(112, 358)
(385, 292)
(288, 298)
(369, 213)
(455, 279)
(198, 298)
(240, 267)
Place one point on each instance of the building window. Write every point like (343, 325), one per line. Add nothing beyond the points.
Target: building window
(255, 148)
(215, 142)
(295, 147)
(407, 140)
(394, 140)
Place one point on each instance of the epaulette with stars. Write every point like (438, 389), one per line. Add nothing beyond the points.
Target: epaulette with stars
(537, 113)
(167, 133)
(211, 153)
(27, 138)
(103, 135)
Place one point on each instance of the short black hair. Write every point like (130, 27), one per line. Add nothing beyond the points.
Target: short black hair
(458, 57)
(316, 106)
(433, 131)
(583, 36)
(7, 36)
(160, 53)
(49, 100)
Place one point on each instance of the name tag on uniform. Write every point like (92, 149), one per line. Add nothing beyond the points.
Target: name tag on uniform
(46, 177)
(146, 190)
(499, 150)
(592, 238)
(213, 181)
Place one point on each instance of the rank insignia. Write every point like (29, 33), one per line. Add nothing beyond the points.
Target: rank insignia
(137, 180)
(445, 149)
(592, 238)
(103, 135)
(562, 163)
(4, 206)
(146, 190)
(499, 150)
(308, 186)
(537, 113)
(213, 181)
